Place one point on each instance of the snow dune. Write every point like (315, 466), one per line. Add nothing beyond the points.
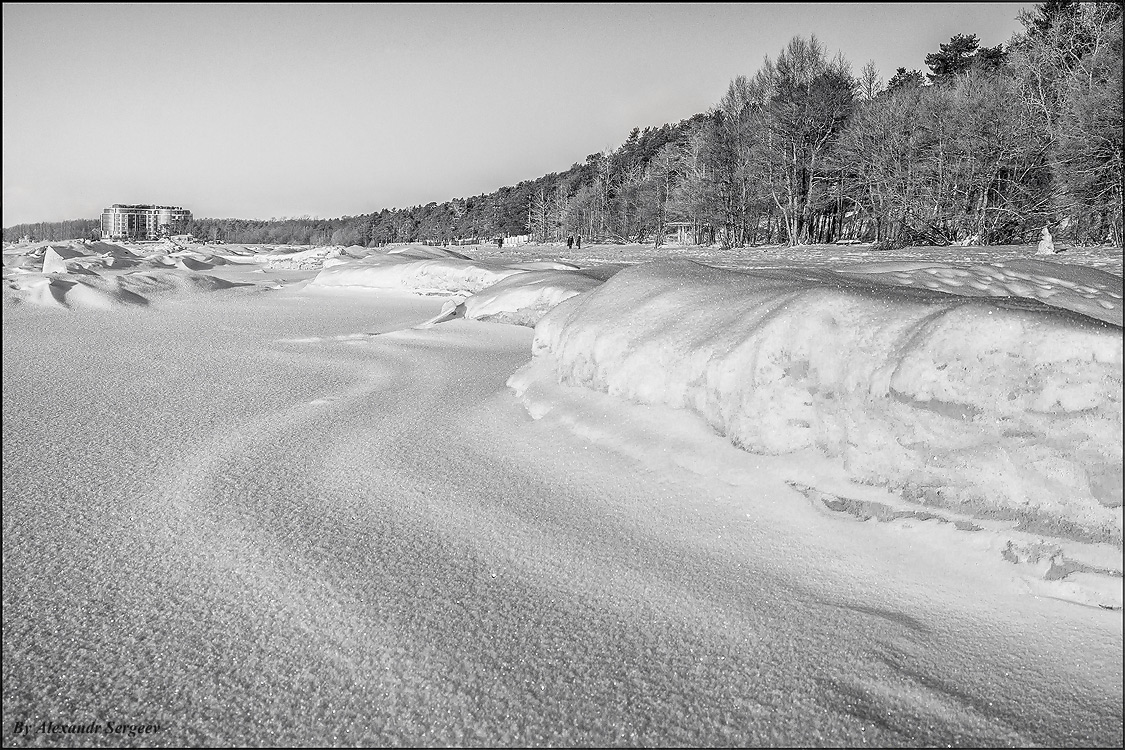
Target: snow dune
(425, 252)
(91, 291)
(312, 258)
(191, 264)
(519, 292)
(997, 408)
(54, 262)
(526, 297)
(106, 276)
(404, 270)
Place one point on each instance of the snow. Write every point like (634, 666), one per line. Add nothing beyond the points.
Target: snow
(1004, 409)
(425, 252)
(814, 496)
(446, 275)
(1046, 243)
(1082, 289)
(314, 257)
(805, 256)
(519, 299)
(104, 276)
(53, 262)
(524, 298)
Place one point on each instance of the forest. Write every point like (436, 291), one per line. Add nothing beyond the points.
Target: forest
(988, 146)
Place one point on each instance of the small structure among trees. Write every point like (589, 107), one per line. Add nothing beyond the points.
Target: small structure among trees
(679, 232)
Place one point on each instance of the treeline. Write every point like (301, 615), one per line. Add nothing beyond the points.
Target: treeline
(73, 229)
(996, 143)
(987, 147)
(586, 198)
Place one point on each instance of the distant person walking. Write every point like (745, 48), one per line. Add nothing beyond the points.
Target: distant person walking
(499, 242)
(579, 243)
(569, 242)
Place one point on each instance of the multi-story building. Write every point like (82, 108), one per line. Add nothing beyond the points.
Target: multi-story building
(123, 221)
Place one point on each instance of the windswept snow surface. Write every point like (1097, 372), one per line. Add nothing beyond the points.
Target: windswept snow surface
(819, 256)
(258, 510)
(1081, 289)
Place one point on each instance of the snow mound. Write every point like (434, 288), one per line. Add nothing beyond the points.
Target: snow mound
(604, 270)
(544, 265)
(523, 299)
(71, 293)
(86, 290)
(239, 252)
(153, 283)
(312, 258)
(111, 249)
(401, 271)
(301, 260)
(117, 261)
(1079, 288)
(1002, 409)
(53, 262)
(66, 252)
(241, 259)
(425, 252)
(191, 264)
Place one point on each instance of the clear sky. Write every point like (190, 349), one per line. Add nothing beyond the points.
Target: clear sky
(261, 111)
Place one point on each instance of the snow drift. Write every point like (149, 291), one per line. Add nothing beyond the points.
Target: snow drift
(64, 276)
(442, 275)
(523, 299)
(1002, 408)
(296, 259)
(425, 252)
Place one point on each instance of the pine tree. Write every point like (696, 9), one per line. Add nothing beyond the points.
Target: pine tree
(954, 58)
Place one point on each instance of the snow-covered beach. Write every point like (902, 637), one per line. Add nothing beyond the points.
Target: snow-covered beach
(521, 496)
